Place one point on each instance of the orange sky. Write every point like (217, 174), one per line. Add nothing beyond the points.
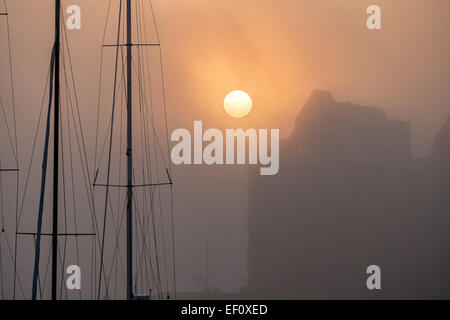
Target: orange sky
(278, 52)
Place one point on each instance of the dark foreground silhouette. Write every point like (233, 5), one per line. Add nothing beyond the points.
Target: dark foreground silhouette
(349, 195)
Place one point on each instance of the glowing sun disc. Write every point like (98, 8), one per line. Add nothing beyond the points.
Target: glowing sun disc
(237, 104)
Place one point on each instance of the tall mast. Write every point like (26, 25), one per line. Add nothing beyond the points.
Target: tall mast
(54, 85)
(56, 152)
(129, 161)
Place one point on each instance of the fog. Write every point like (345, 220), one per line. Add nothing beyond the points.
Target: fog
(277, 51)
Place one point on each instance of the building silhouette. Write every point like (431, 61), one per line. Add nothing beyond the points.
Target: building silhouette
(349, 195)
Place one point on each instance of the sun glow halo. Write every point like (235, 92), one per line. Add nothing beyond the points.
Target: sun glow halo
(237, 104)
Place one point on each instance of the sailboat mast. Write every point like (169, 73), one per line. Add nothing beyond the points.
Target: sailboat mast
(56, 152)
(129, 233)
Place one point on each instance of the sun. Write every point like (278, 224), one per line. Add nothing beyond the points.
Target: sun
(237, 104)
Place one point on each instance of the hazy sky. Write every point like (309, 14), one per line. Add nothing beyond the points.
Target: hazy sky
(277, 51)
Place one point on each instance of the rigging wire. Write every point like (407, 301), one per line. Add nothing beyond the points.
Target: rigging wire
(168, 150)
(16, 153)
(94, 255)
(19, 215)
(122, 99)
(71, 169)
(63, 174)
(13, 141)
(144, 255)
(7, 129)
(143, 129)
(82, 149)
(143, 223)
(109, 156)
(118, 225)
(8, 34)
(143, 33)
(100, 84)
(43, 179)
